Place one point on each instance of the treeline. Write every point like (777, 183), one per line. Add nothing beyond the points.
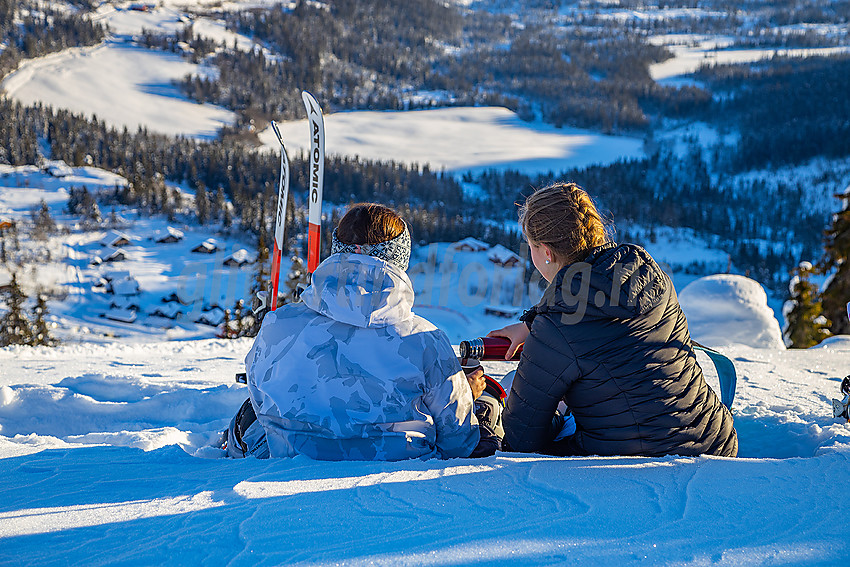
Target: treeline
(349, 53)
(32, 29)
(792, 109)
(668, 190)
(246, 178)
(791, 12)
(577, 79)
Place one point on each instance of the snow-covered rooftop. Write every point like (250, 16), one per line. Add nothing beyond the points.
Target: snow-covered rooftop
(209, 245)
(121, 315)
(502, 255)
(125, 286)
(171, 234)
(240, 257)
(58, 168)
(169, 310)
(115, 238)
(471, 243)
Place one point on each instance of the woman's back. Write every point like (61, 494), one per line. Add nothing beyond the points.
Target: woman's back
(614, 344)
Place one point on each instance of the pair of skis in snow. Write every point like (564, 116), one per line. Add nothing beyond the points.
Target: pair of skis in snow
(314, 215)
(316, 177)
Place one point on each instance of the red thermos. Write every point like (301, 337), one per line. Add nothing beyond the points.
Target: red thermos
(487, 348)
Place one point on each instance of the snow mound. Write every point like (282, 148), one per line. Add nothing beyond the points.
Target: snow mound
(838, 342)
(725, 309)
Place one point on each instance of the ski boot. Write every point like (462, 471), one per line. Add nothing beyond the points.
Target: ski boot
(841, 408)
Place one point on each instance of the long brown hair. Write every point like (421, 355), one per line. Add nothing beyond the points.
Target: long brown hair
(563, 217)
(369, 223)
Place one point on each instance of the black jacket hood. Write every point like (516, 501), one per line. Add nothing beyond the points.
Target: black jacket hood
(612, 281)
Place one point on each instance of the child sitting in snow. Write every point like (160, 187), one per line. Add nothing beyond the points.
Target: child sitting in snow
(350, 373)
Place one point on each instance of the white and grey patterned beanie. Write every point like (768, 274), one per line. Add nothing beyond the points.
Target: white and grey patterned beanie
(396, 251)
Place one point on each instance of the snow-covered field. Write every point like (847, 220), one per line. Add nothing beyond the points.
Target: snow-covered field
(96, 467)
(122, 84)
(170, 17)
(690, 52)
(460, 139)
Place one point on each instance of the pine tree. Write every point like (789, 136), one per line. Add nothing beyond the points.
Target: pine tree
(837, 257)
(218, 204)
(202, 204)
(41, 333)
(806, 326)
(225, 325)
(236, 321)
(14, 325)
(244, 319)
(43, 223)
(92, 211)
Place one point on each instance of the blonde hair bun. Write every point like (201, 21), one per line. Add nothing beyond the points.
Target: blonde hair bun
(563, 217)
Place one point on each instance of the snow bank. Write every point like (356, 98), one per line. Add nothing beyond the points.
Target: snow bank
(726, 309)
(836, 343)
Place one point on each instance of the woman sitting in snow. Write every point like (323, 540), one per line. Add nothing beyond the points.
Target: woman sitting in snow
(350, 373)
(609, 340)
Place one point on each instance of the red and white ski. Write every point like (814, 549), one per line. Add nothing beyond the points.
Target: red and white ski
(280, 218)
(316, 176)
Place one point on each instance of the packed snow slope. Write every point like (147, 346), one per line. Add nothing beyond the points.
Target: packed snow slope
(101, 450)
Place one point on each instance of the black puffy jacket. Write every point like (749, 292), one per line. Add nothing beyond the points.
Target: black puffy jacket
(610, 340)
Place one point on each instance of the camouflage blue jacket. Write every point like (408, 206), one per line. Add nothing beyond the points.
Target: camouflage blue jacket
(350, 373)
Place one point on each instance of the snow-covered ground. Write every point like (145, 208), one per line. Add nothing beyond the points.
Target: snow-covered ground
(96, 466)
(460, 139)
(690, 52)
(122, 84)
(78, 303)
(170, 17)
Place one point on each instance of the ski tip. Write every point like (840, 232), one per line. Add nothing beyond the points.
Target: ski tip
(277, 133)
(311, 103)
